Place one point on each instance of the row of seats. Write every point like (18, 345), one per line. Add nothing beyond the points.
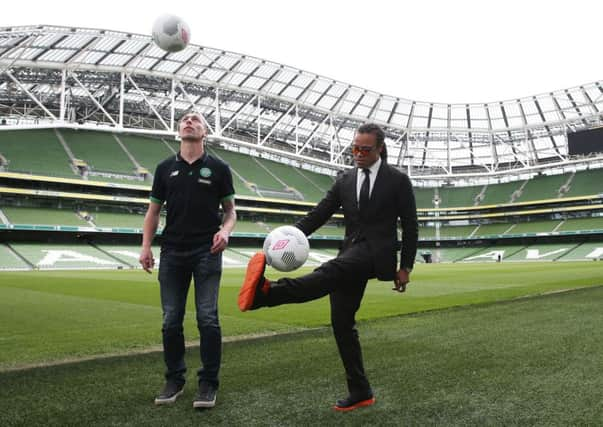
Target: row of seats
(502, 253)
(46, 256)
(509, 228)
(49, 216)
(88, 218)
(537, 188)
(118, 158)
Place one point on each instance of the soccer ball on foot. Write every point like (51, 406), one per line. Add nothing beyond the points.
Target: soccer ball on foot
(171, 33)
(286, 248)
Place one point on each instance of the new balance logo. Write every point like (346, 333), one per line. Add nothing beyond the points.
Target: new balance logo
(174, 173)
(280, 244)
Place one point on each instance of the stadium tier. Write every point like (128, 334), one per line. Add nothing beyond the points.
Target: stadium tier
(121, 158)
(424, 197)
(459, 196)
(492, 229)
(499, 193)
(100, 151)
(244, 226)
(543, 187)
(10, 260)
(586, 182)
(457, 231)
(542, 252)
(115, 220)
(43, 216)
(147, 152)
(523, 253)
(588, 251)
(74, 256)
(581, 224)
(534, 227)
(295, 181)
(22, 150)
(251, 170)
(447, 254)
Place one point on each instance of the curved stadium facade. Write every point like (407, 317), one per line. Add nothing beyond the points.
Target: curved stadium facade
(482, 171)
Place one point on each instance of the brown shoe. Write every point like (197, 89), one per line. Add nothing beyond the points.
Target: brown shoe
(254, 282)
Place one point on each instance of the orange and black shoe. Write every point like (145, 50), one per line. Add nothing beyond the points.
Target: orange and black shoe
(255, 284)
(350, 403)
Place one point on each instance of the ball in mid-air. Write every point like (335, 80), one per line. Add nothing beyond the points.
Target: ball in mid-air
(286, 248)
(171, 33)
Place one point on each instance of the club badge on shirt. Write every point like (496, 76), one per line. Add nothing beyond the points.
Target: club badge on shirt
(205, 172)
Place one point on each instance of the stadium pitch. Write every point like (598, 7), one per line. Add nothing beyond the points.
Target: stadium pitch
(500, 358)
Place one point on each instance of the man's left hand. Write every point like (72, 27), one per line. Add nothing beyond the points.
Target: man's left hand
(401, 280)
(220, 242)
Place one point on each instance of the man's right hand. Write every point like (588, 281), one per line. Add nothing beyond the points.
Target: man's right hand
(146, 259)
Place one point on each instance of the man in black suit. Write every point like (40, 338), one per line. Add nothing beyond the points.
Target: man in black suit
(374, 195)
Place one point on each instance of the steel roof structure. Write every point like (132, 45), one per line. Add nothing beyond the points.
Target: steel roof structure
(101, 79)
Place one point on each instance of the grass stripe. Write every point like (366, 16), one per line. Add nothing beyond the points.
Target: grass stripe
(525, 362)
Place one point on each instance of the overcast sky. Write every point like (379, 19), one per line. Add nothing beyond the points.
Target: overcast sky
(445, 51)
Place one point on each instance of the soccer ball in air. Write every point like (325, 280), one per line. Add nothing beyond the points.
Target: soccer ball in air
(171, 33)
(286, 248)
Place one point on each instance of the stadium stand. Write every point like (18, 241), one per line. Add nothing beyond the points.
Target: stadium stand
(493, 229)
(424, 197)
(321, 182)
(582, 224)
(57, 256)
(108, 161)
(457, 231)
(586, 251)
(450, 254)
(459, 196)
(116, 220)
(492, 253)
(9, 260)
(542, 252)
(426, 232)
(99, 150)
(240, 184)
(47, 216)
(21, 149)
(534, 227)
(542, 187)
(252, 171)
(246, 226)
(586, 182)
(292, 179)
(500, 193)
(330, 230)
(147, 151)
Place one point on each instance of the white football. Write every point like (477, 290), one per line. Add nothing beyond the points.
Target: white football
(286, 248)
(171, 33)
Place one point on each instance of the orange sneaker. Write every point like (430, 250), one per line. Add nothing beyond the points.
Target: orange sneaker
(350, 404)
(254, 282)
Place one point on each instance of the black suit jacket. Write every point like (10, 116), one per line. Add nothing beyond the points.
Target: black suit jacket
(392, 198)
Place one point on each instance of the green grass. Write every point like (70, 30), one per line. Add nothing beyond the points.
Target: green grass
(49, 316)
(534, 361)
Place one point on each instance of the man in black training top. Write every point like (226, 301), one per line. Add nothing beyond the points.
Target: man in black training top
(373, 196)
(193, 185)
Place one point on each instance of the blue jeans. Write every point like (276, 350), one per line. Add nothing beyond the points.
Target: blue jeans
(176, 268)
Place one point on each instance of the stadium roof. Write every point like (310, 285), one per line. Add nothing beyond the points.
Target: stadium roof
(60, 76)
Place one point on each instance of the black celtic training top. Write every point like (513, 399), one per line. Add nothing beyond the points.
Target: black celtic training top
(192, 193)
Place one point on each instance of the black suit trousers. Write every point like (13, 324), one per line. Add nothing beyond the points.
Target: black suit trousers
(344, 279)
